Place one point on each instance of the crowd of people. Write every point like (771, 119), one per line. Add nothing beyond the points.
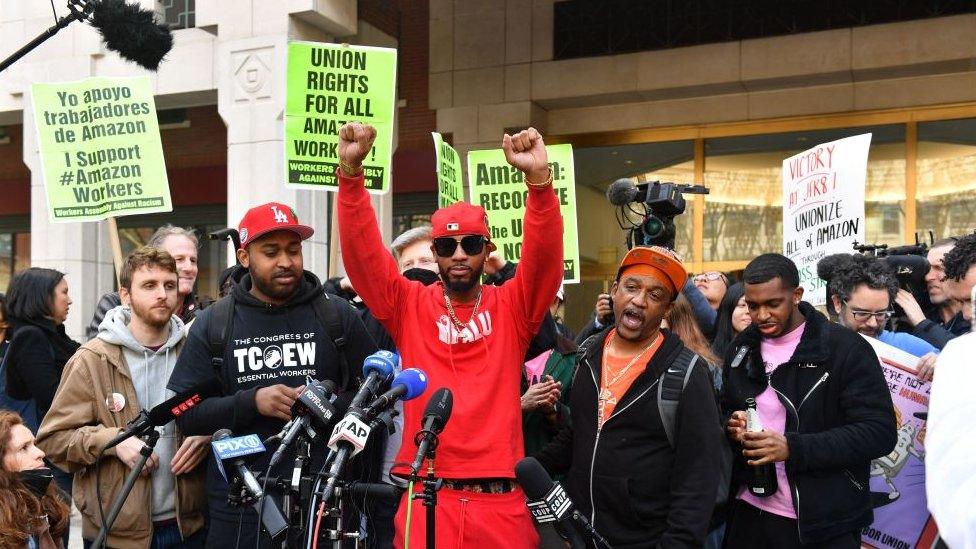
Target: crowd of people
(643, 414)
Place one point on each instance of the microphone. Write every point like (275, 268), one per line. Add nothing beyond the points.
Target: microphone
(378, 369)
(132, 32)
(228, 447)
(407, 385)
(350, 435)
(622, 192)
(548, 502)
(312, 407)
(436, 414)
(168, 410)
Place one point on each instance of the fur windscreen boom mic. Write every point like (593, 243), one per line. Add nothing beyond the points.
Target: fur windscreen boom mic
(132, 32)
(828, 267)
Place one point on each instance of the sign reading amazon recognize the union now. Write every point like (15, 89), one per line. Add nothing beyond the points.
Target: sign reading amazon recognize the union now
(100, 151)
(823, 206)
(500, 189)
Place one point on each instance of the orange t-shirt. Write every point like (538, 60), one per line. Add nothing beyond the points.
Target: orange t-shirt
(612, 387)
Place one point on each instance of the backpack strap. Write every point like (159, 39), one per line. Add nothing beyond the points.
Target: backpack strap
(218, 330)
(328, 316)
(669, 388)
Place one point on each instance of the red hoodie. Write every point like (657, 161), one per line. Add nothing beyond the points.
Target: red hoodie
(481, 365)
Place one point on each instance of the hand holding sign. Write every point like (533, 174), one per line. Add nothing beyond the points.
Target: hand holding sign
(355, 142)
(526, 151)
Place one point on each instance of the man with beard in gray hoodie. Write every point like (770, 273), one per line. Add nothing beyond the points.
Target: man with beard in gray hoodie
(123, 370)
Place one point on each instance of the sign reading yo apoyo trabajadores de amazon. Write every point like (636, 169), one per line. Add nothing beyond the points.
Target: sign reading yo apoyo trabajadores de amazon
(100, 151)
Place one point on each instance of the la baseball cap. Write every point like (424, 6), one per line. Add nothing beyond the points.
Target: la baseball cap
(655, 261)
(266, 218)
(460, 218)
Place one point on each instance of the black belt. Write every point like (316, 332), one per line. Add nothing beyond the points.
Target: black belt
(482, 485)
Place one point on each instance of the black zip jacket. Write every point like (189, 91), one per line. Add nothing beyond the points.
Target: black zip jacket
(635, 489)
(36, 357)
(938, 333)
(268, 345)
(839, 416)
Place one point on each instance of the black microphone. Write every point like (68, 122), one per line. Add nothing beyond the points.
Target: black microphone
(622, 192)
(132, 32)
(548, 502)
(168, 410)
(312, 407)
(436, 414)
(232, 450)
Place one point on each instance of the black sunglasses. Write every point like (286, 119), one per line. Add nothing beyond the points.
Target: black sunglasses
(473, 244)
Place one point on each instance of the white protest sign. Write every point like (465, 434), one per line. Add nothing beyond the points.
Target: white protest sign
(823, 206)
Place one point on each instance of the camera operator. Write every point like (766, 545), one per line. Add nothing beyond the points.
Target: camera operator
(862, 290)
(945, 321)
(960, 271)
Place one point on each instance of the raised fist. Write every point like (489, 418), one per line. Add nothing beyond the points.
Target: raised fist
(355, 142)
(527, 152)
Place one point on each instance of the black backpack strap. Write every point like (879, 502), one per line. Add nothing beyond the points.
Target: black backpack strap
(669, 388)
(219, 330)
(328, 315)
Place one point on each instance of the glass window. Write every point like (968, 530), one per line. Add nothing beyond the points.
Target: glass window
(14, 255)
(946, 178)
(743, 212)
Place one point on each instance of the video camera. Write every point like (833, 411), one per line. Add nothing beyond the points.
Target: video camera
(656, 203)
(910, 265)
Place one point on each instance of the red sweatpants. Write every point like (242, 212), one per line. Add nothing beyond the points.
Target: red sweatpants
(469, 520)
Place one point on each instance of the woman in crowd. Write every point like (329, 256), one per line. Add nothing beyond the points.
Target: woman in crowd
(37, 305)
(682, 321)
(733, 317)
(32, 512)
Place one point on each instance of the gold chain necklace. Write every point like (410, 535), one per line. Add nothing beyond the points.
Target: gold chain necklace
(453, 315)
(606, 348)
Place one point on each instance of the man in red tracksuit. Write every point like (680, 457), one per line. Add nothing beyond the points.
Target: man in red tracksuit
(469, 338)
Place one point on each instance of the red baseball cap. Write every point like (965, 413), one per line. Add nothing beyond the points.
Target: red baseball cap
(266, 218)
(460, 218)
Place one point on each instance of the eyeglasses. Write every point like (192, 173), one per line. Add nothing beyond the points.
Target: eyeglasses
(473, 244)
(864, 316)
(707, 277)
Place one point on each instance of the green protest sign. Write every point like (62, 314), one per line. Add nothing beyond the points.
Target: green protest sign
(450, 179)
(500, 189)
(100, 151)
(328, 85)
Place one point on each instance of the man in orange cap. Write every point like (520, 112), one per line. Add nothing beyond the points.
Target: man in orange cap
(468, 337)
(641, 452)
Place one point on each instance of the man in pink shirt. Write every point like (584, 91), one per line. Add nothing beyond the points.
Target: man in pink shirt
(826, 413)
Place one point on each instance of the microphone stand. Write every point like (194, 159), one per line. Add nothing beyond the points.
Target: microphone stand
(151, 438)
(80, 10)
(431, 485)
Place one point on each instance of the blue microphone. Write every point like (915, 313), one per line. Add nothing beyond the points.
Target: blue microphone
(407, 385)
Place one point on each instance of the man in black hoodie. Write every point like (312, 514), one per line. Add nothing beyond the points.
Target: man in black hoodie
(623, 472)
(826, 413)
(276, 339)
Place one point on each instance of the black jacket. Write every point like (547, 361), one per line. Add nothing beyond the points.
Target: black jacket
(36, 357)
(268, 345)
(112, 300)
(839, 416)
(938, 333)
(636, 489)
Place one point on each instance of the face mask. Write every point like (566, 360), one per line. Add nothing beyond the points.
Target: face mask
(37, 480)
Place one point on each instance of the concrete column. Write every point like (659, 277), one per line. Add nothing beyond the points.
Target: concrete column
(251, 61)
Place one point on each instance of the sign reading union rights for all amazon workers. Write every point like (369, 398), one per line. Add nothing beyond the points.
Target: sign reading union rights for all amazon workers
(100, 151)
(327, 86)
(450, 180)
(500, 189)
